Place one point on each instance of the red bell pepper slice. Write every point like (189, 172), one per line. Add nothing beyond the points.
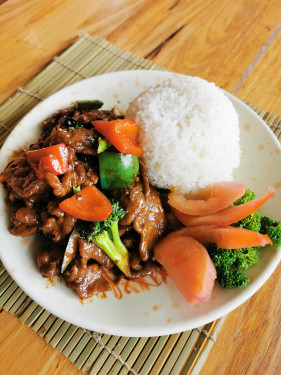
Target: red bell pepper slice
(53, 159)
(122, 134)
(89, 204)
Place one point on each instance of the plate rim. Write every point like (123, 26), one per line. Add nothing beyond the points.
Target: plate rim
(175, 327)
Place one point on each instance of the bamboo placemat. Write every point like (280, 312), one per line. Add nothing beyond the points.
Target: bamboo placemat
(94, 353)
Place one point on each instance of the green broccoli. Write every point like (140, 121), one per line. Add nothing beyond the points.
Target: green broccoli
(230, 263)
(105, 235)
(272, 229)
(253, 221)
(247, 197)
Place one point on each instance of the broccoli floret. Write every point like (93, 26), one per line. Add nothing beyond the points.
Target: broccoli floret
(230, 263)
(246, 257)
(247, 197)
(251, 222)
(105, 235)
(266, 222)
(232, 279)
(272, 229)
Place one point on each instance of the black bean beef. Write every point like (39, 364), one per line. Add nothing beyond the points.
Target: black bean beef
(56, 224)
(140, 229)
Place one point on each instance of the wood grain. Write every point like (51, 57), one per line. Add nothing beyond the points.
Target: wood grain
(37, 357)
(233, 43)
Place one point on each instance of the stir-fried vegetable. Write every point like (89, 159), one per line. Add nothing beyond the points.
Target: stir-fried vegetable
(2, 178)
(228, 237)
(188, 264)
(76, 189)
(53, 159)
(71, 249)
(272, 229)
(117, 171)
(88, 104)
(122, 134)
(230, 264)
(106, 236)
(228, 215)
(209, 200)
(89, 204)
(103, 145)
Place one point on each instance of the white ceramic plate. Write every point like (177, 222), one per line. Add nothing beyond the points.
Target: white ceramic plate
(162, 310)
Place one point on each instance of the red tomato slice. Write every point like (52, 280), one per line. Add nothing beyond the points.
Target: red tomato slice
(189, 266)
(89, 204)
(227, 238)
(227, 216)
(207, 201)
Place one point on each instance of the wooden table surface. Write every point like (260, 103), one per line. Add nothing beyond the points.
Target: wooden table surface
(236, 44)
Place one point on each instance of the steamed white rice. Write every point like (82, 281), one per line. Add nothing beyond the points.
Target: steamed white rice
(189, 132)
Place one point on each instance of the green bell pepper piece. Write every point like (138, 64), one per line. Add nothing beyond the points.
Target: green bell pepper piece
(117, 171)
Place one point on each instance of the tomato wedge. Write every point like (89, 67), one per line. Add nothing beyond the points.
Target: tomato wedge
(53, 159)
(189, 266)
(227, 238)
(122, 134)
(89, 204)
(227, 216)
(207, 201)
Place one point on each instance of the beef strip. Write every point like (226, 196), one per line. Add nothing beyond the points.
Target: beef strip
(25, 222)
(56, 224)
(90, 251)
(144, 211)
(49, 261)
(147, 268)
(81, 140)
(86, 280)
(22, 181)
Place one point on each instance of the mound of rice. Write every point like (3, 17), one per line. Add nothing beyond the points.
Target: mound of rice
(189, 132)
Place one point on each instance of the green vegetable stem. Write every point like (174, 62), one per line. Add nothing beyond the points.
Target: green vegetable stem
(88, 104)
(105, 235)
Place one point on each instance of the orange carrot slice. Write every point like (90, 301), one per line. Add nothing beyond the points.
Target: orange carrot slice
(122, 134)
(89, 204)
(189, 266)
(2, 178)
(227, 238)
(227, 216)
(207, 201)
